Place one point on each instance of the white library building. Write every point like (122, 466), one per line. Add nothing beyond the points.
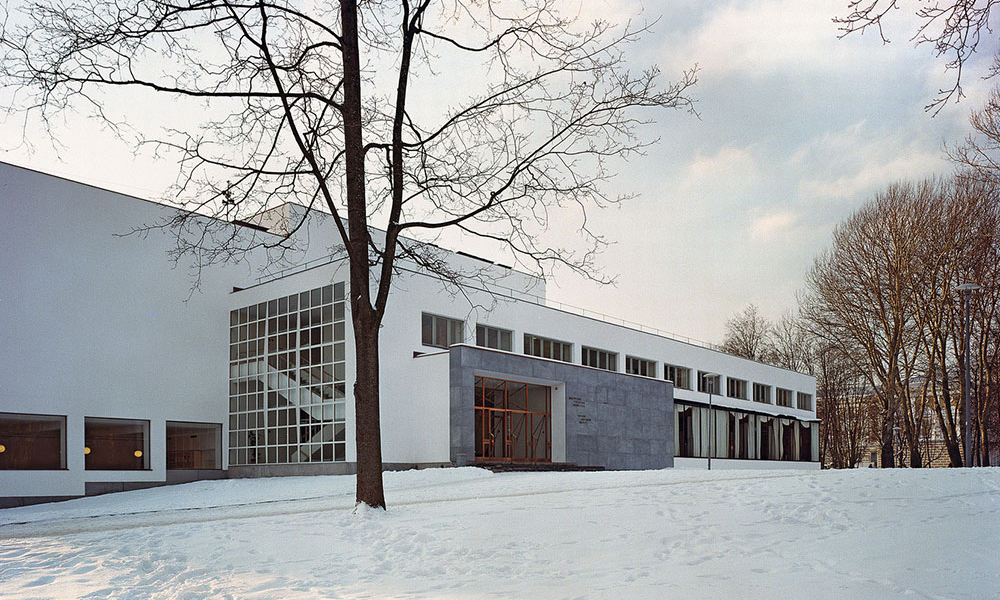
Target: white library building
(117, 374)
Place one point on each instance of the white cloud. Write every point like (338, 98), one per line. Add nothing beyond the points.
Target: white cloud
(767, 227)
(728, 166)
(860, 159)
(763, 37)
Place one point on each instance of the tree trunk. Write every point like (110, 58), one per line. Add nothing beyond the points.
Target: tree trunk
(885, 432)
(366, 403)
(363, 315)
(888, 460)
(947, 421)
(888, 456)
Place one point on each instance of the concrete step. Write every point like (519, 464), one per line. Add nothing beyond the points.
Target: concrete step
(507, 467)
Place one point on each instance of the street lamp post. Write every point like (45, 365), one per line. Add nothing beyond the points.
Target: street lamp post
(966, 289)
(710, 379)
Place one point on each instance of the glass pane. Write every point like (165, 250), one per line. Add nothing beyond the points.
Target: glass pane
(32, 442)
(456, 334)
(440, 333)
(427, 330)
(116, 444)
(194, 445)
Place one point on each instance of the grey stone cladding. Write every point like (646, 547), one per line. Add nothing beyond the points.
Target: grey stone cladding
(613, 420)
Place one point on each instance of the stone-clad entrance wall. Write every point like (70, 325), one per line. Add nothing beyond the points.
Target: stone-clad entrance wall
(612, 420)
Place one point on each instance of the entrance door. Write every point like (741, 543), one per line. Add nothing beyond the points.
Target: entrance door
(513, 421)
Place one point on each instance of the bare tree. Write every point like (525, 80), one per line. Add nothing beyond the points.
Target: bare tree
(842, 404)
(315, 102)
(791, 346)
(886, 294)
(858, 298)
(955, 29)
(747, 334)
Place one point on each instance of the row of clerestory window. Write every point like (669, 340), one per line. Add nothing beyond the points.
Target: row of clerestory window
(441, 332)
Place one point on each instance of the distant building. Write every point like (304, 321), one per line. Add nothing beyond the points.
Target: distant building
(115, 375)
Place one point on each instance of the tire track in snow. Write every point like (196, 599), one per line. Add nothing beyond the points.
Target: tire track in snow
(275, 508)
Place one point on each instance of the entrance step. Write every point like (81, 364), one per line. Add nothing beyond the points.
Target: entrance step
(508, 467)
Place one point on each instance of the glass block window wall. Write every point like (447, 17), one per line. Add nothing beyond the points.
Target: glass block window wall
(287, 379)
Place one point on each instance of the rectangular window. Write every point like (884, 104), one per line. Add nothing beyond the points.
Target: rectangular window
(784, 397)
(546, 348)
(681, 376)
(708, 382)
(441, 332)
(640, 366)
(492, 337)
(115, 444)
(762, 393)
(736, 388)
(194, 445)
(600, 359)
(804, 400)
(32, 442)
(287, 395)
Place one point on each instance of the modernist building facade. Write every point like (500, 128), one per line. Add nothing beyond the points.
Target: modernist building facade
(116, 374)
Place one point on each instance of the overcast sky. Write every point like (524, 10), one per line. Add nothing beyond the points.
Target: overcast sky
(796, 130)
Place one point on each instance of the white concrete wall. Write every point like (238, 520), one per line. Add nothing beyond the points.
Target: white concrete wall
(97, 325)
(416, 424)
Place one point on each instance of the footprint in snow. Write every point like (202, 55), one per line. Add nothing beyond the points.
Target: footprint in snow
(83, 569)
(41, 581)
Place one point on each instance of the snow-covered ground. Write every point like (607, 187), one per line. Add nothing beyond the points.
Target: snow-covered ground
(466, 533)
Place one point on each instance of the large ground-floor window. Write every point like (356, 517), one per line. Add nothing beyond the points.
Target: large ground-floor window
(194, 445)
(115, 444)
(513, 421)
(728, 433)
(32, 442)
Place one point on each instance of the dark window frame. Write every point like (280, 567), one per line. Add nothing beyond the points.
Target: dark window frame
(218, 446)
(37, 417)
(736, 388)
(673, 373)
(643, 367)
(454, 330)
(143, 461)
(543, 347)
(704, 377)
(598, 358)
(765, 390)
(483, 332)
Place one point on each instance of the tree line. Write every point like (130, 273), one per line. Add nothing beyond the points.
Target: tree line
(880, 325)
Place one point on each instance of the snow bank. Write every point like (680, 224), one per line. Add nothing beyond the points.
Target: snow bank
(467, 533)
